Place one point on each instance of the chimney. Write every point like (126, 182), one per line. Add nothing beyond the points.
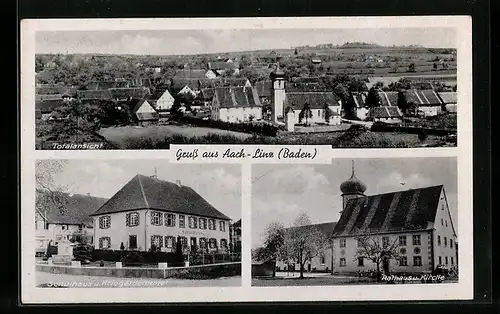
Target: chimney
(178, 182)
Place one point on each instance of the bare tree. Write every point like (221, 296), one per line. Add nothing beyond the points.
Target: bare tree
(377, 250)
(303, 242)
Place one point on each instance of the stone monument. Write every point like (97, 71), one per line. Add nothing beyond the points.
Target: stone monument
(64, 253)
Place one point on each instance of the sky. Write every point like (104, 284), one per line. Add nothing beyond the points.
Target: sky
(167, 42)
(284, 191)
(219, 184)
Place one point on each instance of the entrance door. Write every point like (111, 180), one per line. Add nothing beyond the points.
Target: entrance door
(193, 243)
(386, 266)
(309, 268)
(132, 242)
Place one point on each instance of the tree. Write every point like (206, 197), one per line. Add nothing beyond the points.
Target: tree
(273, 243)
(296, 52)
(341, 91)
(434, 66)
(377, 250)
(303, 242)
(48, 192)
(349, 107)
(179, 255)
(411, 67)
(328, 112)
(373, 99)
(80, 236)
(305, 113)
(402, 103)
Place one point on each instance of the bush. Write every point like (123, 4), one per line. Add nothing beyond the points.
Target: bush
(132, 258)
(137, 257)
(83, 253)
(247, 127)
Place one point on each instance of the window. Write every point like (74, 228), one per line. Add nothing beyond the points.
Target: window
(451, 243)
(223, 243)
(403, 261)
(45, 225)
(439, 240)
(445, 241)
(63, 227)
(212, 243)
(451, 260)
(132, 242)
(193, 222)
(170, 220)
(104, 243)
(385, 241)
(203, 223)
(442, 224)
(184, 242)
(182, 221)
(446, 260)
(319, 112)
(402, 240)
(157, 241)
(203, 243)
(361, 261)
(193, 242)
(156, 218)
(170, 242)
(104, 222)
(222, 225)
(417, 261)
(440, 260)
(342, 242)
(342, 262)
(416, 239)
(446, 223)
(132, 219)
(211, 224)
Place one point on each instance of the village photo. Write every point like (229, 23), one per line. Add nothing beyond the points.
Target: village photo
(117, 223)
(362, 221)
(147, 89)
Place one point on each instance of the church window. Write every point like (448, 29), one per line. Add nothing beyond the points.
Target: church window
(342, 262)
(446, 223)
(416, 239)
(417, 260)
(442, 222)
(342, 242)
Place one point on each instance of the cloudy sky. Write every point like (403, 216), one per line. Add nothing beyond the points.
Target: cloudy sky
(219, 184)
(284, 191)
(165, 42)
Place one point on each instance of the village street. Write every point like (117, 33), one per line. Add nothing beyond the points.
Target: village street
(44, 279)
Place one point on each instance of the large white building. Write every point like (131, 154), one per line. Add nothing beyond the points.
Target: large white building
(236, 104)
(149, 212)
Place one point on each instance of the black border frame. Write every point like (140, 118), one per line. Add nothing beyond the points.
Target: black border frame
(478, 9)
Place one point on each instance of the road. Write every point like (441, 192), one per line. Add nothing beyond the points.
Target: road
(44, 279)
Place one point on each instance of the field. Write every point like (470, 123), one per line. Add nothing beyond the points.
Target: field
(160, 137)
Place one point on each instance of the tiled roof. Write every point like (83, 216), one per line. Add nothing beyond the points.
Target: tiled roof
(359, 99)
(448, 97)
(391, 212)
(70, 209)
(421, 85)
(388, 98)
(237, 224)
(48, 97)
(207, 93)
(179, 82)
(422, 97)
(385, 112)
(94, 94)
(234, 97)
(264, 88)
(316, 100)
(222, 65)
(48, 106)
(190, 73)
(124, 93)
(143, 192)
(222, 82)
(326, 228)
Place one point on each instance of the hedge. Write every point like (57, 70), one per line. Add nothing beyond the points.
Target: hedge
(246, 127)
(136, 257)
(384, 127)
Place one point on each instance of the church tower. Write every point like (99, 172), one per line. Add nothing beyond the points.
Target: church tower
(277, 93)
(352, 188)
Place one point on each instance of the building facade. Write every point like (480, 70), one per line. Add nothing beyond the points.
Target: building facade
(236, 104)
(150, 213)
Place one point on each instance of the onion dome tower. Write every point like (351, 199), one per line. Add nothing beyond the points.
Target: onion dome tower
(352, 188)
(277, 92)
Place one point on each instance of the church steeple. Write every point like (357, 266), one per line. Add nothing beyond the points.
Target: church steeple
(352, 188)
(277, 93)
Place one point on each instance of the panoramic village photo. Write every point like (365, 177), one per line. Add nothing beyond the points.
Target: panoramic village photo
(147, 89)
(137, 223)
(362, 221)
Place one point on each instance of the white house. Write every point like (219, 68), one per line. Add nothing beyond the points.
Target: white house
(318, 102)
(385, 114)
(236, 104)
(142, 111)
(148, 212)
(165, 101)
(449, 99)
(59, 215)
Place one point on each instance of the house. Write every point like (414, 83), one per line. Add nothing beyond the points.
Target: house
(316, 61)
(449, 99)
(187, 92)
(318, 102)
(236, 104)
(206, 96)
(142, 111)
(45, 108)
(59, 215)
(221, 68)
(163, 100)
(387, 114)
(388, 98)
(305, 87)
(360, 108)
(427, 101)
(177, 84)
(235, 236)
(148, 212)
(322, 263)
(417, 221)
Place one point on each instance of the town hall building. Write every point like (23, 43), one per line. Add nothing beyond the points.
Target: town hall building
(148, 212)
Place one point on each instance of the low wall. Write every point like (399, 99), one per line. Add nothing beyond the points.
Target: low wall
(222, 269)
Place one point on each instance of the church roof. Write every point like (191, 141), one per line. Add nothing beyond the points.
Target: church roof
(316, 100)
(237, 97)
(326, 228)
(390, 212)
(143, 192)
